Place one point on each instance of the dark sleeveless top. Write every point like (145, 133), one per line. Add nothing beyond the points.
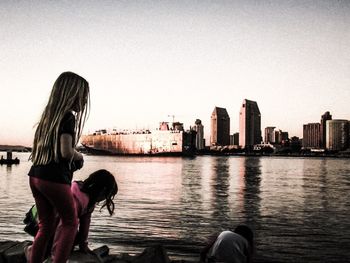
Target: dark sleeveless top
(57, 172)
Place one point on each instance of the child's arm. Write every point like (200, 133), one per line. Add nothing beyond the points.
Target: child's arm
(83, 233)
(210, 242)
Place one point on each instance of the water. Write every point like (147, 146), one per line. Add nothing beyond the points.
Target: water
(299, 208)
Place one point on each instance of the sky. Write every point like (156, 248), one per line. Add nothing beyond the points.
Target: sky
(153, 61)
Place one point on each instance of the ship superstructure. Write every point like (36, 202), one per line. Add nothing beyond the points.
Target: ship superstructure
(163, 141)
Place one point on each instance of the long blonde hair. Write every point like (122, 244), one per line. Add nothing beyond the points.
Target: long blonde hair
(68, 92)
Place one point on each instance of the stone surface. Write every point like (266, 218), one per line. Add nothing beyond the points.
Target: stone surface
(155, 254)
(13, 252)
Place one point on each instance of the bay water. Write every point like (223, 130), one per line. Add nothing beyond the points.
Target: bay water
(298, 208)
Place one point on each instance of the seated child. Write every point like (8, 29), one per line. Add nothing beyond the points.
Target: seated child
(100, 186)
(230, 246)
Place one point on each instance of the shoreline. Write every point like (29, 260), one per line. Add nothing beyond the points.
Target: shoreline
(13, 252)
(223, 152)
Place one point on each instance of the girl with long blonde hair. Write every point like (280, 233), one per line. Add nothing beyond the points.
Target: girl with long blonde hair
(53, 154)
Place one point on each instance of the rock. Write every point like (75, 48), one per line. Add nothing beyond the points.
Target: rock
(5, 245)
(155, 254)
(100, 255)
(15, 253)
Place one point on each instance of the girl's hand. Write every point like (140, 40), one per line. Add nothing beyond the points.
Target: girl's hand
(77, 162)
(78, 156)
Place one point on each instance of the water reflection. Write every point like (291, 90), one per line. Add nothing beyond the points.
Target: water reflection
(220, 190)
(235, 189)
(250, 170)
(191, 212)
(323, 201)
(8, 168)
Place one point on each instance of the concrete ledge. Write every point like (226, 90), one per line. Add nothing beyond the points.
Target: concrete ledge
(13, 252)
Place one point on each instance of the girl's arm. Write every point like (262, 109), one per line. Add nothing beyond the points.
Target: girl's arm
(67, 150)
(83, 233)
(210, 242)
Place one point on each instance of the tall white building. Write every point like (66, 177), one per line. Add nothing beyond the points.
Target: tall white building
(269, 135)
(199, 128)
(337, 135)
(249, 124)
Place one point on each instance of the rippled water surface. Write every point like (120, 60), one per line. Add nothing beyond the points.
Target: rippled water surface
(299, 208)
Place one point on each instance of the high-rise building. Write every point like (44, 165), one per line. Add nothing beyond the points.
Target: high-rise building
(311, 135)
(275, 136)
(337, 135)
(199, 128)
(325, 117)
(295, 144)
(249, 124)
(281, 137)
(220, 127)
(269, 135)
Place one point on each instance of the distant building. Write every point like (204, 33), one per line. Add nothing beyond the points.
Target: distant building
(220, 127)
(281, 137)
(163, 126)
(269, 135)
(199, 128)
(337, 135)
(284, 136)
(249, 124)
(295, 144)
(236, 138)
(325, 117)
(311, 135)
(275, 136)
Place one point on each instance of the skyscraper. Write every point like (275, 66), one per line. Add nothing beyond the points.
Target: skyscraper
(198, 127)
(337, 135)
(325, 117)
(249, 124)
(269, 135)
(311, 135)
(220, 127)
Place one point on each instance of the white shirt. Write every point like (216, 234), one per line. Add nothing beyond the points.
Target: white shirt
(229, 247)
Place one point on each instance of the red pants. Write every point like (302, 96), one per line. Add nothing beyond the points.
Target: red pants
(52, 199)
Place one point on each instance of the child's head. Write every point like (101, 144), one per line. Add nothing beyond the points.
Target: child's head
(70, 92)
(101, 186)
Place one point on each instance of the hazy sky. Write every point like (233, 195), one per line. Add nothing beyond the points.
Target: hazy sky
(146, 60)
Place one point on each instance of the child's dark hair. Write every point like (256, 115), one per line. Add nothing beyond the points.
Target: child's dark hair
(246, 232)
(101, 181)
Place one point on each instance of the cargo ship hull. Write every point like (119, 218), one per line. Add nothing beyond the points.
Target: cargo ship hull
(157, 143)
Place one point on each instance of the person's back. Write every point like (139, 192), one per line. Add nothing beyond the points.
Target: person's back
(229, 247)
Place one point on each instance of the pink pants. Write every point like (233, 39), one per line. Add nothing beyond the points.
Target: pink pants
(52, 199)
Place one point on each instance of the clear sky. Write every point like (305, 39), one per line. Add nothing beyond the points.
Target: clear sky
(146, 60)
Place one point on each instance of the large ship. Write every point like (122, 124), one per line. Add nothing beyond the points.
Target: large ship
(163, 141)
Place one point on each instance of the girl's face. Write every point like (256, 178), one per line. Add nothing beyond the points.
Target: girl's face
(76, 107)
(101, 196)
(104, 194)
(79, 104)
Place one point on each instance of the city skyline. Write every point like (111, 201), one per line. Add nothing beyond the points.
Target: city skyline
(151, 60)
